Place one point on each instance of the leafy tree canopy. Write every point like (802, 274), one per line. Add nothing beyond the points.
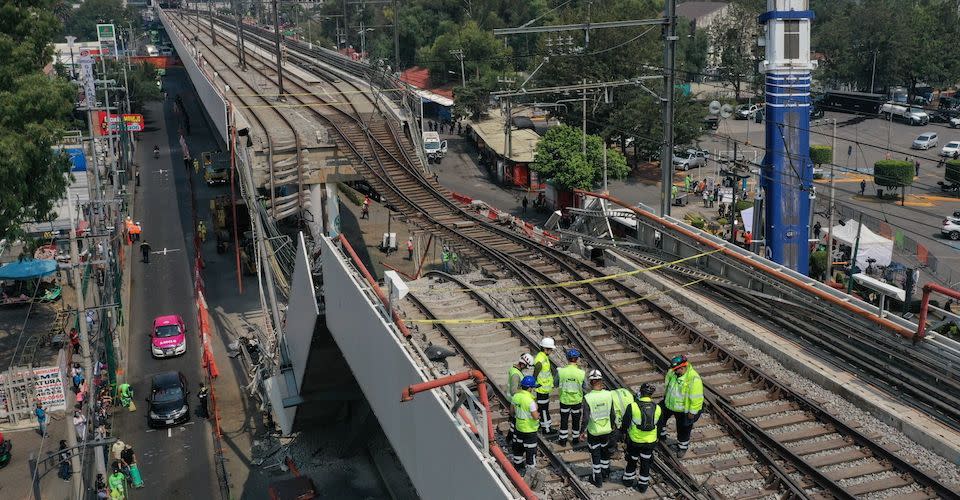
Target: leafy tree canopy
(559, 156)
(483, 53)
(33, 111)
(82, 22)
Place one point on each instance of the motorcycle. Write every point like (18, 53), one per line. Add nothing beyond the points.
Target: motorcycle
(156, 152)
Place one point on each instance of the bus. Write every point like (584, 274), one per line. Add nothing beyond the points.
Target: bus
(852, 102)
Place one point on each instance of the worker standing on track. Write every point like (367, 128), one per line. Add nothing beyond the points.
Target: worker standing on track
(202, 231)
(570, 381)
(365, 209)
(682, 398)
(445, 259)
(525, 416)
(546, 375)
(514, 376)
(622, 399)
(410, 248)
(640, 427)
(516, 373)
(598, 416)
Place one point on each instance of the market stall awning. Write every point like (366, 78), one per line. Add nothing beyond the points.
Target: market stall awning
(28, 269)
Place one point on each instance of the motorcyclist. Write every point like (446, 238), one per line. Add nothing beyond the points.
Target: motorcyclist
(156, 151)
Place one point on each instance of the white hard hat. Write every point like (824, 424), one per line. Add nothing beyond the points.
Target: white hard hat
(595, 375)
(548, 343)
(526, 359)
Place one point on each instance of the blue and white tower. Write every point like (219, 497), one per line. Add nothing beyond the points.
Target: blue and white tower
(787, 174)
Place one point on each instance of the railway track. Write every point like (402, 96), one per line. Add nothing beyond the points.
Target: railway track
(757, 439)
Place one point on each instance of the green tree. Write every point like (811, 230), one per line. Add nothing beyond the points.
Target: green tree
(82, 21)
(474, 99)
(952, 171)
(640, 119)
(482, 53)
(34, 109)
(733, 38)
(894, 174)
(559, 156)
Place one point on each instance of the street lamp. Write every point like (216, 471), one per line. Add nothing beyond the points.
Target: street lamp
(70, 42)
(363, 40)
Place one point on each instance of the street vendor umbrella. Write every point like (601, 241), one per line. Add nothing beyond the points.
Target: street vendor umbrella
(28, 269)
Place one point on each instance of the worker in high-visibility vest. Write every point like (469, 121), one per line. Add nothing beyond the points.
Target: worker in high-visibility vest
(683, 399)
(640, 427)
(622, 399)
(523, 411)
(516, 373)
(546, 374)
(571, 385)
(598, 416)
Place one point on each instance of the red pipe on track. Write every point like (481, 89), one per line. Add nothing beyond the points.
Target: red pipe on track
(761, 267)
(925, 304)
(481, 380)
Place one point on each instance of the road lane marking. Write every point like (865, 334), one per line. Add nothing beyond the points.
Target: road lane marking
(169, 432)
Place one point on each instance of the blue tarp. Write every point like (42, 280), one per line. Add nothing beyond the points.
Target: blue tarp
(28, 269)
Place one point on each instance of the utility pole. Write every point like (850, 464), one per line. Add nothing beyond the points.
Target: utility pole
(873, 72)
(396, 39)
(669, 77)
(856, 250)
(77, 485)
(583, 138)
(463, 76)
(213, 32)
(830, 226)
(240, 57)
(276, 33)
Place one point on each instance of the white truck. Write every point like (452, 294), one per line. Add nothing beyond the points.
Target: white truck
(152, 50)
(434, 147)
(905, 114)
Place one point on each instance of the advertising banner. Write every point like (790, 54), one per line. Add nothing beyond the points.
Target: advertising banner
(107, 36)
(89, 84)
(50, 388)
(133, 123)
(104, 125)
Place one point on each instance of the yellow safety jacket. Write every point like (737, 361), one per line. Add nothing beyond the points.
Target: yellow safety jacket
(685, 393)
(514, 376)
(600, 402)
(571, 384)
(523, 418)
(622, 398)
(545, 377)
(643, 413)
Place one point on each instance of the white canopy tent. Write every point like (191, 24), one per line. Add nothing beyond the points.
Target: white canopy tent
(872, 245)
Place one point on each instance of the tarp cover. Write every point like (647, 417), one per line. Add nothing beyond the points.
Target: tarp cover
(27, 269)
(872, 245)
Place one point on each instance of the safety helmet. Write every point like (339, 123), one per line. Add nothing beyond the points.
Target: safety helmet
(573, 354)
(646, 389)
(548, 343)
(526, 359)
(528, 382)
(595, 375)
(678, 361)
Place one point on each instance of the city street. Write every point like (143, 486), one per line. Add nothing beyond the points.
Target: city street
(176, 461)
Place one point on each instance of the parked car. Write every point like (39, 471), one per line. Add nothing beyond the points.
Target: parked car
(905, 114)
(925, 141)
(168, 337)
(690, 158)
(167, 403)
(747, 111)
(954, 122)
(951, 227)
(950, 148)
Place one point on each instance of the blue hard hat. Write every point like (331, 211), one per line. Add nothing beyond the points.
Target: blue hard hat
(573, 353)
(528, 382)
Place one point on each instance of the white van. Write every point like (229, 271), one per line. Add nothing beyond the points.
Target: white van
(152, 51)
(434, 147)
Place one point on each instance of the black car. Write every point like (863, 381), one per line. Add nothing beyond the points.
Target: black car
(167, 404)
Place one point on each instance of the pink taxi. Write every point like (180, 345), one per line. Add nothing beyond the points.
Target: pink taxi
(168, 337)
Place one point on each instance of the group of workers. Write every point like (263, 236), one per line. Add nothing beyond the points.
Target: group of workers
(602, 417)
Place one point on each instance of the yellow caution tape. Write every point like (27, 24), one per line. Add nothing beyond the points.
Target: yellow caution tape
(482, 321)
(564, 284)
